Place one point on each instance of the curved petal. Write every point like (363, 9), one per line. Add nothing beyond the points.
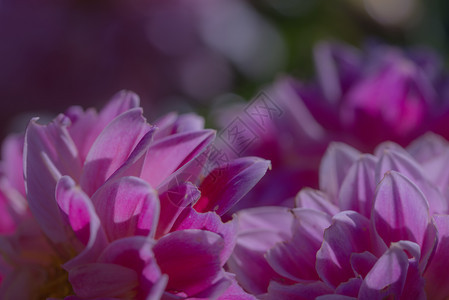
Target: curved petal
(259, 230)
(316, 200)
(334, 166)
(167, 155)
(80, 214)
(49, 153)
(401, 212)
(437, 281)
(190, 219)
(358, 187)
(226, 185)
(112, 148)
(349, 233)
(387, 277)
(295, 259)
(127, 206)
(180, 252)
(173, 202)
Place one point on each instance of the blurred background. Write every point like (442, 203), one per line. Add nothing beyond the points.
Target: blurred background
(184, 55)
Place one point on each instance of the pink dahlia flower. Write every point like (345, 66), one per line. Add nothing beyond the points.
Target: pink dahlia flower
(125, 208)
(376, 229)
(358, 98)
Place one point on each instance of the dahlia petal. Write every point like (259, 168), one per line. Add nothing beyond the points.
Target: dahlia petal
(180, 252)
(86, 126)
(350, 288)
(82, 218)
(299, 291)
(400, 161)
(358, 187)
(49, 153)
(427, 147)
(112, 147)
(387, 277)
(98, 280)
(190, 219)
(397, 159)
(173, 202)
(362, 263)
(226, 185)
(121, 102)
(127, 206)
(316, 200)
(171, 153)
(172, 123)
(349, 233)
(296, 259)
(437, 281)
(334, 166)
(401, 212)
(134, 164)
(259, 230)
(234, 291)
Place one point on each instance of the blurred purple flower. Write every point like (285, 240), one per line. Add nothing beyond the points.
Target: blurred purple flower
(360, 98)
(376, 229)
(125, 208)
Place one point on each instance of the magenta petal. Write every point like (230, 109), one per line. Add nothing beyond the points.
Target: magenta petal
(127, 206)
(349, 233)
(401, 212)
(437, 281)
(112, 147)
(80, 215)
(167, 155)
(299, 291)
(234, 291)
(362, 263)
(350, 288)
(316, 200)
(226, 185)
(120, 103)
(427, 147)
(259, 230)
(333, 169)
(295, 259)
(136, 253)
(180, 252)
(173, 202)
(190, 219)
(387, 277)
(134, 164)
(358, 187)
(49, 153)
(400, 161)
(102, 280)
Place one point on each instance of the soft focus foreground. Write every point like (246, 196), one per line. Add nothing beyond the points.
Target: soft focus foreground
(376, 229)
(118, 208)
(362, 98)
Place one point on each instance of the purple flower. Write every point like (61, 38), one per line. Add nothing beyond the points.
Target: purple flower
(376, 228)
(360, 98)
(125, 208)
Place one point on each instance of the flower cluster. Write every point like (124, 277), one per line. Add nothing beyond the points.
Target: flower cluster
(359, 98)
(118, 208)
(376, 229)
